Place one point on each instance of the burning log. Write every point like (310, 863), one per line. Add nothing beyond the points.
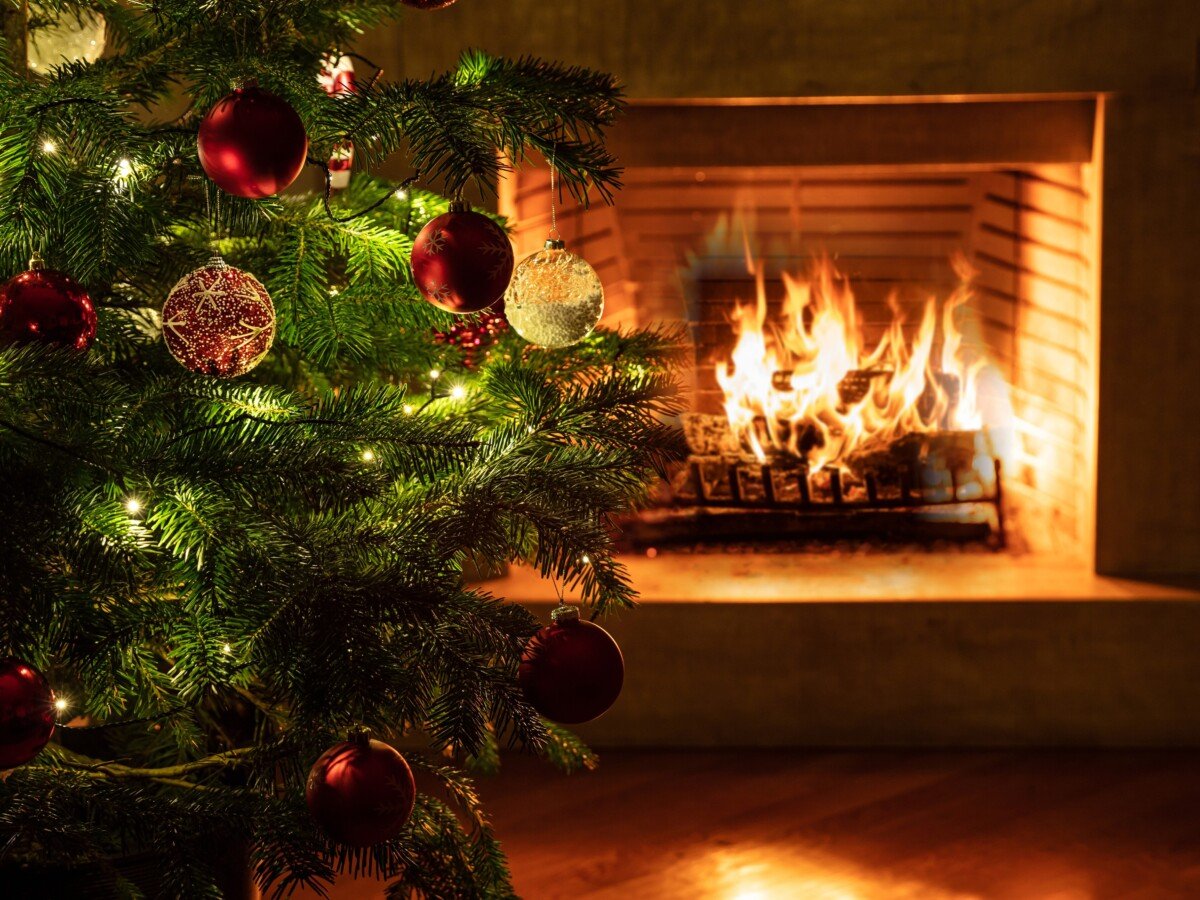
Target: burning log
(855, 385)
(809, 383)
(940, 466)
(710, 435)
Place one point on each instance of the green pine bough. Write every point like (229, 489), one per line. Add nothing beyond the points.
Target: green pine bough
(221, 578)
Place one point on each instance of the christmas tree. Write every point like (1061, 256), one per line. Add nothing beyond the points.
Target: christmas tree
(233, 542)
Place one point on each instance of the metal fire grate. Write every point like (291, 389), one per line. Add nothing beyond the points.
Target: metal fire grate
(907, 490)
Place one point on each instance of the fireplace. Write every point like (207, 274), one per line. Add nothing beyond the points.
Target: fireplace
(893, 309)
(905, 134)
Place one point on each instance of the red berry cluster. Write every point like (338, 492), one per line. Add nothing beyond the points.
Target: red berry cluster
(473, 334)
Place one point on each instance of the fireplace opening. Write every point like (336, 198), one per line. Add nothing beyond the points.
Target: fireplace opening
(849, 418)
(898, 350)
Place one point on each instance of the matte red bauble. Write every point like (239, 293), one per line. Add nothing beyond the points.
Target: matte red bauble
(427, 4)
(571, 671)
(26, 712)
(252, 143)
(218, 320)
(48, 307)
(360, 792)
(462, 261)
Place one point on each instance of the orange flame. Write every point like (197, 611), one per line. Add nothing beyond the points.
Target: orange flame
(786, 382)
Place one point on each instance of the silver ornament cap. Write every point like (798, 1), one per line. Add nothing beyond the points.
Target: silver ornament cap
(564, 614)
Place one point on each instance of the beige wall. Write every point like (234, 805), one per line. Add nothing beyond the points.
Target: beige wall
(787, 48)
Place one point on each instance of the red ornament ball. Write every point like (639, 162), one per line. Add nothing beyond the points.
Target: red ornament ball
(360, 792)
(26, 712)
(427, 4)
(571, 671)
(46, 306)
(252, 143)
(218, 320)
(462, 261)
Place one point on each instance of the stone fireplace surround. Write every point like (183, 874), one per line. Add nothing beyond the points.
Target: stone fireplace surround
(767, 650)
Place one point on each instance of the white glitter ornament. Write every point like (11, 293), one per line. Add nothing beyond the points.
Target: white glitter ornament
(69, 36)
(219, 320)
(555, 298)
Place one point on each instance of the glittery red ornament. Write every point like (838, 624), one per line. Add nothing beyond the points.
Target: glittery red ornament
(26, 712)
(462, 260)
(46, 306)
(427, 4)
(360, 792)
(475, 334)
(252, 143)
(218, 320)
(571, 671)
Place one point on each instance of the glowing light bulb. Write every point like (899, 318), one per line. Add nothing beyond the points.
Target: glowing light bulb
(124, 171)
(48, 146)
(227, 649)
(585, 559)
(133, 506)
(435, 374)
(458, 392)
(400, 194)
(61, 703)
(368, 455)
(407, 408)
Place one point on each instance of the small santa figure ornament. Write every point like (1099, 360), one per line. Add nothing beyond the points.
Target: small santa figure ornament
(337, 77)
(26, 712)
(218, 320)
(360, 792)
(252, 143)
(46, 306)
(572, 670)
(462, 261)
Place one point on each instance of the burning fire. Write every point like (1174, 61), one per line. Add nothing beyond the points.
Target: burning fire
(807, 383)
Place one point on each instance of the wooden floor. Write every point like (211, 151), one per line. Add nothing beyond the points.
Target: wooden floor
(1063, 825)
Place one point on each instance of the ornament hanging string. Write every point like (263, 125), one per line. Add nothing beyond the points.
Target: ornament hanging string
(324, 167)
(311, 420)
(378, 68)
(61, 448)
(554, 232)
(141, 720)
(169, 713)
